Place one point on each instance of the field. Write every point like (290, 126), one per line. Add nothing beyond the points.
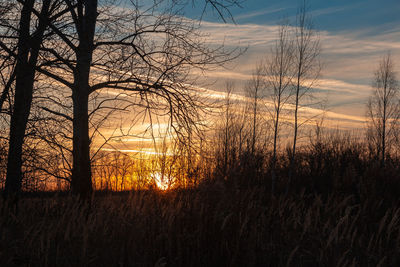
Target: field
(210, 226)
(340, 208)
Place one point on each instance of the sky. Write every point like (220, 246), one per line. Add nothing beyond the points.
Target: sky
(354, 36)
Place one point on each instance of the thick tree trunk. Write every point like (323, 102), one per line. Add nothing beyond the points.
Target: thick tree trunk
(81, 180)
(28, 51)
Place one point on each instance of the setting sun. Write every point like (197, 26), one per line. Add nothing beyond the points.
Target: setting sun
(162, 181)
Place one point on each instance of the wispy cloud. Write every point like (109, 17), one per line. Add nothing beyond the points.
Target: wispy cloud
(259, 13)
(330, 10)
(349, 58)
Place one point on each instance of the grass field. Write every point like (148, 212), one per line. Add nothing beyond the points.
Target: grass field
(341, 209)
(209, 226)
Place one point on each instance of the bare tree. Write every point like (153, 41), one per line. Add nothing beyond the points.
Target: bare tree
(227, 128)
(230, 135)
(383, 108)
(147, 53)
(253, 91)
(26, 56)
(306, 54)
(279, 74)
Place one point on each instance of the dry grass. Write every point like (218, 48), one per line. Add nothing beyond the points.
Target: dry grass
(210, 226)
(341, 209)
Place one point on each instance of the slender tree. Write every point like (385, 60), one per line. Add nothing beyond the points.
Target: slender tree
(383, 108)
(279, 78)
(253, 91)
(227, 128)
(307, 69)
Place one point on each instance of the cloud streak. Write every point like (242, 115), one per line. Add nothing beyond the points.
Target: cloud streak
(349, 59)
(259, 13)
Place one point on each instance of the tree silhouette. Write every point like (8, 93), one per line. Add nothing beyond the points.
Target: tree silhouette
(147, 53)
(279, 77)
(26, 58)
(307, 69)
(383, 108)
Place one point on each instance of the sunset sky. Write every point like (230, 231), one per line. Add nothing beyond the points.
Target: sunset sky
(354, 36)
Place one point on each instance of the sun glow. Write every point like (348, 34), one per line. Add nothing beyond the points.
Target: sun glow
(163, 182)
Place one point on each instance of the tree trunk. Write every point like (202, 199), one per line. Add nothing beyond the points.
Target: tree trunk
(296, 127)
(81, 179)
(28, 51)
(273, 165)
(253, 142)
(384, 124)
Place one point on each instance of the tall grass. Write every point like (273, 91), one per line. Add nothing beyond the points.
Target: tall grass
(340, 209)
(209, 226)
